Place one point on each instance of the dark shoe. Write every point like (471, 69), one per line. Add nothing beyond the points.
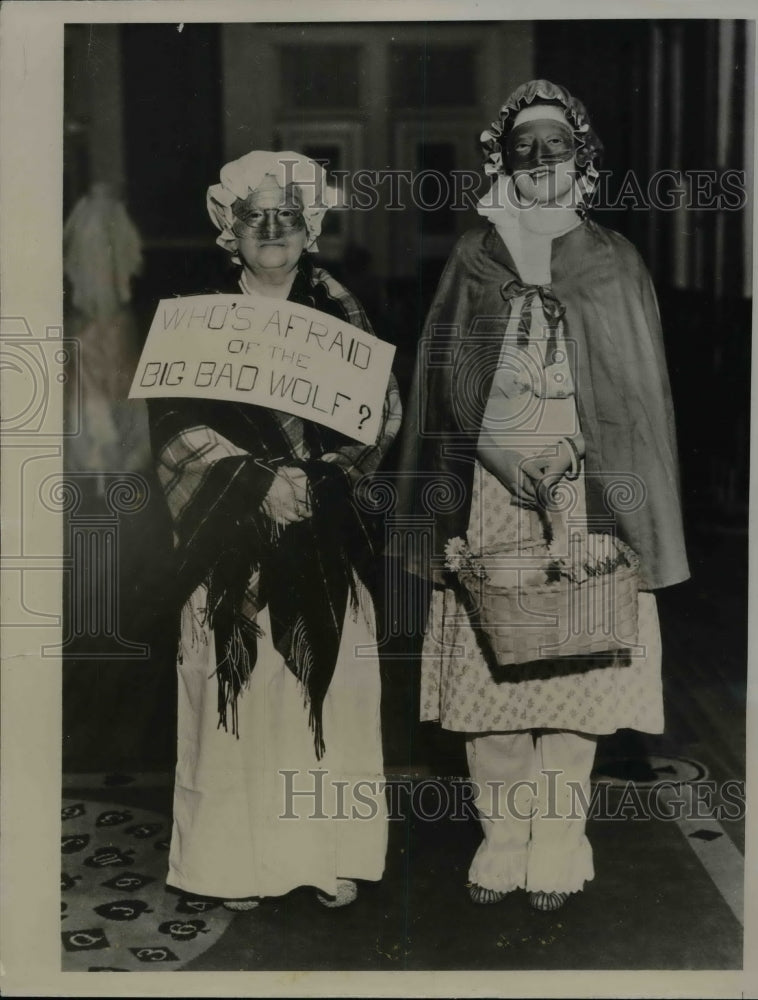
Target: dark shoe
(479, 894)
(546, 902)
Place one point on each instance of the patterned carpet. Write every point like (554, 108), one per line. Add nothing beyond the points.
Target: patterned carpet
(658, 900)
(116, 912)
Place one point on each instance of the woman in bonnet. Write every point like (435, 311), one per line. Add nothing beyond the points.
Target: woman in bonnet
(278, 667)
(542, 372)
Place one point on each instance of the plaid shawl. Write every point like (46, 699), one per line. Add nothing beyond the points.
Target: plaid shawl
(216, 461)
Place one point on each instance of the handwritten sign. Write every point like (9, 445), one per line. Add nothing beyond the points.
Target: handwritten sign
(269, 352)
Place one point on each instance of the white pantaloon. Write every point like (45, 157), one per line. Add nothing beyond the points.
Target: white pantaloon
(533, 823)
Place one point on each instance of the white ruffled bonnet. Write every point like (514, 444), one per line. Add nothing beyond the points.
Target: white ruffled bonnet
(241, 176)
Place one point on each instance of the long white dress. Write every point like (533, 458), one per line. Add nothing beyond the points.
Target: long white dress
(238, 829)
(260, 815)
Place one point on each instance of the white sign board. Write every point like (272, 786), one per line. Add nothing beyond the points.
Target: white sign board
(270, 352)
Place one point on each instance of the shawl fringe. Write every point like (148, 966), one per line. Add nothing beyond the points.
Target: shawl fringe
(306, 572)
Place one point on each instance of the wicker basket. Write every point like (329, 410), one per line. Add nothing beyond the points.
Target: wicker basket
(538, 621)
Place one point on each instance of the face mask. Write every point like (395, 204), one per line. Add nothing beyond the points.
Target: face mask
(537, 144)
(262, 220)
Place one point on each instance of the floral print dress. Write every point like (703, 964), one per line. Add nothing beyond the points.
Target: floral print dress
(458, 686)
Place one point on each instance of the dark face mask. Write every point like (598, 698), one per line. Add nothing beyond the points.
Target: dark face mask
(263, 221)
(538, 143)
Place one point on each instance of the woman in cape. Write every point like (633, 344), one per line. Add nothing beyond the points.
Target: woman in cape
(541, 371)
(279, 688)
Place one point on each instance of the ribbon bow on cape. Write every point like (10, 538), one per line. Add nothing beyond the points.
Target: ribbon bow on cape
(552, 309)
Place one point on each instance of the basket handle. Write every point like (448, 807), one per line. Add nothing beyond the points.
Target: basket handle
(555, 529)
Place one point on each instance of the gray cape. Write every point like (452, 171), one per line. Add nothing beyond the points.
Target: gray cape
(623, 396)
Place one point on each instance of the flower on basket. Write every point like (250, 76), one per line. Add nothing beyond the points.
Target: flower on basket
(590, 555)
(461, 560)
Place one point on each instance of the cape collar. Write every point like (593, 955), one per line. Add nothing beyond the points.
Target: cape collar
(502, 207)
(527, 231)
(493, 246)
